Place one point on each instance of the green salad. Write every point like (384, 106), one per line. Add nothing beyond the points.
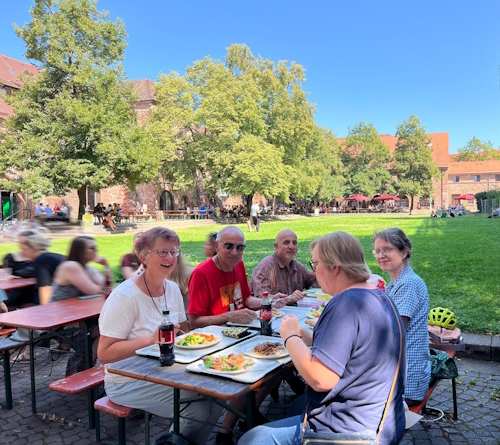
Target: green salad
(196, 339)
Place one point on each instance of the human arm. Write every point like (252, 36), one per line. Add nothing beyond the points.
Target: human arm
(318, 376)
(112, 349)
(243, 316)
(73, 273)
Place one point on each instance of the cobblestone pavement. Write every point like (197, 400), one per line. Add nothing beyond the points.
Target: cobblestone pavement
(58, 414)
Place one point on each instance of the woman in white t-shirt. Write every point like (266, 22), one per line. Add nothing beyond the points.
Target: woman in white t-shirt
(129, 321)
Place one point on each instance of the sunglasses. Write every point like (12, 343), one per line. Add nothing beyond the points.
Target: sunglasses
(231, 246)
(313, 265)
(213, 236)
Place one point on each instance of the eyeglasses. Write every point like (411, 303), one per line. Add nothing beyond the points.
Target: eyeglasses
(93, 248)
(313, 265)
(231, 246)
(213, 236)
(385, 251)
(164, 253)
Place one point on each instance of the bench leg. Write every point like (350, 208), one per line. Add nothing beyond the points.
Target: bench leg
(251, 407)
(146, 428)
(97, 426)
(121, 431)
(8, 383)
(455, 403)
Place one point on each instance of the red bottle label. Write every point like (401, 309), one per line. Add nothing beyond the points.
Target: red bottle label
(166, 336)
(266, 314)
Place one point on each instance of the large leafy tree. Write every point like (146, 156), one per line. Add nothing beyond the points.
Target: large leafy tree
(243, 125)
(413, 160)
(477, 150)
(73, 125)
(366, 161)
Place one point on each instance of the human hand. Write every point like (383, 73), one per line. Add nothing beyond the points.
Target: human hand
(102, 261)
(243, 316)
(289, 326)
(297, 296)
(282, 300)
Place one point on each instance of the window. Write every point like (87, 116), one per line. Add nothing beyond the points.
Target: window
(456, 179)
(497, 177)
(477, 178)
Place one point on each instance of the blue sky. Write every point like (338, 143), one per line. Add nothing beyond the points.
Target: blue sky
(372, 61)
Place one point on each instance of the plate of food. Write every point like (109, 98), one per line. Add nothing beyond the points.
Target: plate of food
(277, 313)
(267, 350)
(316, 313)
(311, 323)
(230, 364)
(196, 340)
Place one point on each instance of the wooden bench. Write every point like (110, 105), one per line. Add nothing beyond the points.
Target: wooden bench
(421, 407)
(83, 381)
(121, 412)
(6, 345)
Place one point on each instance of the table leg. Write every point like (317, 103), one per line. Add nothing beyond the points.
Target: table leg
(32, 372)
(91, 395)
(8, 384)
(177, 396)
(251, 407)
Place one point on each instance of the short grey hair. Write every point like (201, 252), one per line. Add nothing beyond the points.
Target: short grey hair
(397, 238)
(344, 250)
(230, 229)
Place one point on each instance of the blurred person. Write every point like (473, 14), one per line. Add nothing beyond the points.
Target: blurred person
(40, 210)
(209, 247)
(392, 250)
(143, 298)
(48, 211)
(131, 263)
(254, 216)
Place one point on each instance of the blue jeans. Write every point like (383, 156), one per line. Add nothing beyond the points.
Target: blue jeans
(282, 432)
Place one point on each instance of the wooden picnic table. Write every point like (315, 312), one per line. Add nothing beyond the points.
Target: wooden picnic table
(215, 388)
(49, 317)
(17, 283)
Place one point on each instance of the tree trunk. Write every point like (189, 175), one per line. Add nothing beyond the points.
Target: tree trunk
(81, 201)
(249, 203)
(411, 205)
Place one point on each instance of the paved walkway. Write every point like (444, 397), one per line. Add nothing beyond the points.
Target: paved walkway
(478, 394)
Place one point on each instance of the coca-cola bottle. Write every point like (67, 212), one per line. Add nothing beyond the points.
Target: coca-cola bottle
(166, 340)
(108, 286)
(266, 315)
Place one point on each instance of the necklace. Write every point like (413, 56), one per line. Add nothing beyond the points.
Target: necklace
(229, 294)
(152, 299)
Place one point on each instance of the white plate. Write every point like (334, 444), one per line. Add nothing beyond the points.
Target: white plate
(203, 345)
(227, 373)
(279, 314)
(249, 351)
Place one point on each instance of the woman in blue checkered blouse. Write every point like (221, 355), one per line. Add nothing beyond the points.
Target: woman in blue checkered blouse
(392, 250)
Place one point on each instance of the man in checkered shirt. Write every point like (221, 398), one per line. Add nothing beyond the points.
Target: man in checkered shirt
(280, 274)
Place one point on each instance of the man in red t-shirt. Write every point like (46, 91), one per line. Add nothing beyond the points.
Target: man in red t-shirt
(218, 293)
(218, 287)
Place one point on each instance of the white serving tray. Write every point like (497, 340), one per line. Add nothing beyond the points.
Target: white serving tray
(188, 356)
(299, 312)
(255, 373)
(314, 291)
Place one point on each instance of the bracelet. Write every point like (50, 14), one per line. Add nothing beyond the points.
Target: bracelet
(290, 336)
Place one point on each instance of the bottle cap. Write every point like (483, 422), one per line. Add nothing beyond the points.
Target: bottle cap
(165, 312)
(265, 294)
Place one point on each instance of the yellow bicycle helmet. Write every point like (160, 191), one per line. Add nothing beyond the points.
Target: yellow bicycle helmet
(442, 317)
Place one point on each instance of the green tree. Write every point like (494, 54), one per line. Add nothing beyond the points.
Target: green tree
(413, 160)
(477, 150)
(366, 159)
(242, 124)
(73, 125)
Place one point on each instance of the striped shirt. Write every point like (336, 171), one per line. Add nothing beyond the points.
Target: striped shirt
(271, 275)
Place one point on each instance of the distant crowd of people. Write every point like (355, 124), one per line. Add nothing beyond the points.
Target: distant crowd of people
(47, 211)
(450, 212)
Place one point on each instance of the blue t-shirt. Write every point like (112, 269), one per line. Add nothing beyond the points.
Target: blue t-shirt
(410, 296)
(357, 336)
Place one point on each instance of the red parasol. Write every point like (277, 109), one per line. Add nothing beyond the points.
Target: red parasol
(385, 197)
(466, 196)
(358, 198)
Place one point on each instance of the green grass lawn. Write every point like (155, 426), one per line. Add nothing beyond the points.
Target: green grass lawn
(458, 258)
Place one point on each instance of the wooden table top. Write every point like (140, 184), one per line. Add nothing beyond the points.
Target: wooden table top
(17, 283)
(176, 376)
(53, 315)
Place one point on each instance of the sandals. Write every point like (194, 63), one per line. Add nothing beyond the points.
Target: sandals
(22, 357)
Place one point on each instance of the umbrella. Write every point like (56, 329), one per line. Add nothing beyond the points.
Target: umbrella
(385, 198)
(466, 196)
(358, 198)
